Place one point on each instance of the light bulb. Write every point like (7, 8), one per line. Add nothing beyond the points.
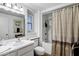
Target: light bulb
(21, 9)
(15, 7)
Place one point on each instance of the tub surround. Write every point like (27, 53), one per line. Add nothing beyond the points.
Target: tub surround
(15, 45)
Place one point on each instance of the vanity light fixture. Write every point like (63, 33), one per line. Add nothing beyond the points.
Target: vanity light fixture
(12, 7)
(3, 7)
(21, 9)
(15, 7)
(9, 5)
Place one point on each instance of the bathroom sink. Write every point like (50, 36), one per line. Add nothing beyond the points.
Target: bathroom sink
(20, 43)
(16, 43)
(13, 43)
(10, 43)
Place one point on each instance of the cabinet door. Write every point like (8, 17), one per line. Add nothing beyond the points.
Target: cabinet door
(30, 53)
(24, 50)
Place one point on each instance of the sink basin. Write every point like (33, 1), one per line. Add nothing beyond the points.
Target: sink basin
(20, 43)
(15, 43)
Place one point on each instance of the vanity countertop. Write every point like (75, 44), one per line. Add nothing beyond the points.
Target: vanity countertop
(12, 46)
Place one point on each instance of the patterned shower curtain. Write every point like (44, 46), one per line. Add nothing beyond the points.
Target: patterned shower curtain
(65, 23)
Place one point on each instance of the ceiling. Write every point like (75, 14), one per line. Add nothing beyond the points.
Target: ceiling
(41, 6)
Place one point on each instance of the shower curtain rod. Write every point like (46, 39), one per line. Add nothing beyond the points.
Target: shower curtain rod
(62, 8)
(65, 6)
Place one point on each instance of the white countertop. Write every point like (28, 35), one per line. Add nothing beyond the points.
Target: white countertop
(9, 47)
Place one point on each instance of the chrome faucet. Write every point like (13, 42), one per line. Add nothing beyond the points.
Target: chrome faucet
(19, 39)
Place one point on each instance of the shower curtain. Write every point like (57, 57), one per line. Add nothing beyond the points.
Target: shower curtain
(65, 23)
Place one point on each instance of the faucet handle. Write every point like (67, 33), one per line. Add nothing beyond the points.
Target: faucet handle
(0, 38)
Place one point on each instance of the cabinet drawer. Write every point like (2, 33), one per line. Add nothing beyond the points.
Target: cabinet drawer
(12, 54)
(25, 50)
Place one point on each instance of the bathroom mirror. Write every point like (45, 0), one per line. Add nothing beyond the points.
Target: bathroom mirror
(11, 24)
